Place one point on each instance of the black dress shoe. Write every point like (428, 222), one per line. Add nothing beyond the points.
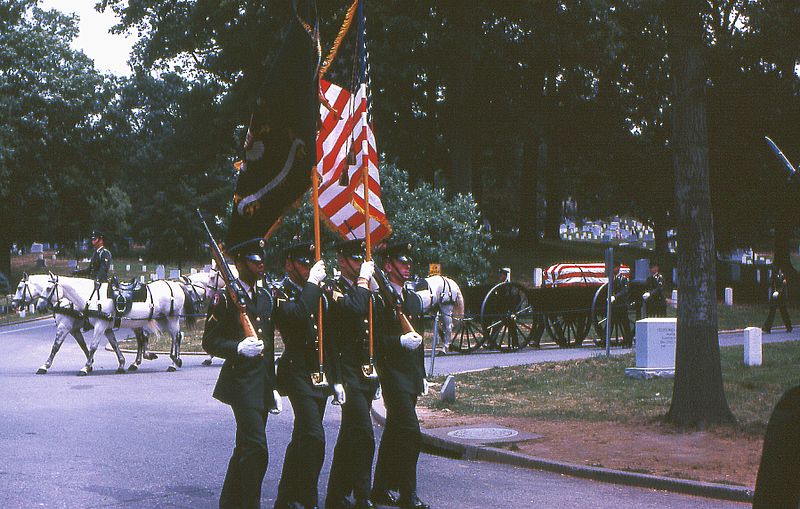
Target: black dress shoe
(412, 502)
(364, 504)
(384, 497)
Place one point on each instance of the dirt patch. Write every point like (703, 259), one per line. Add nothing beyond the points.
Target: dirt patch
(716, 457)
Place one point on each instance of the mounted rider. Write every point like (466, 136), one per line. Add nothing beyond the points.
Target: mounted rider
(99, 264)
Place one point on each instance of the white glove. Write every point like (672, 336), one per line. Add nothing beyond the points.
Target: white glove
(367, 270)
(775, 295)
(378, 392)
(250, 347)
(277, 403)
(317, 273)
(646, 295)
(410, 340)
(338, 395)
(613, 298)
(425, 387)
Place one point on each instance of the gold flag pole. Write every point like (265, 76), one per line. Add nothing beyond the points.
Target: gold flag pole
(318, 379)
(368, 369)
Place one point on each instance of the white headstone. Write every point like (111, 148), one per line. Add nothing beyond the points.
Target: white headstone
(674, 298)
(758, 275)
(674, 276)
(144, 268)
(141, 278)
(449, 389)
(37, 248)
(752, 346)
(193, 271)
(160, 271)
(128, 267)
(655, 348)
(537, 277)
(642, 269)
(174, 273)
(72, 264)
(153, 276)
(729, 296)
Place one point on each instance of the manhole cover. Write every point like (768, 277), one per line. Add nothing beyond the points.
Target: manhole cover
(483, 433)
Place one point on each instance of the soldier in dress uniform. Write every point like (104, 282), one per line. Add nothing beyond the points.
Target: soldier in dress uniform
(778, 296)
(99, 263)
(619, 304)
(351, 469)
(247, 378)
(296, 319)
(402, 374)
(654, 297)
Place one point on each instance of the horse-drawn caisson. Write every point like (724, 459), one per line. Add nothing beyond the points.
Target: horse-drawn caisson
(571, 303)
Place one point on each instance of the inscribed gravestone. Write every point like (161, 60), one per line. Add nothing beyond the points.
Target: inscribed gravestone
(655, 348)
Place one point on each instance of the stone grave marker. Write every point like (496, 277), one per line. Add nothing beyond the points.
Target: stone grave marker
(174, 273)
(729, 296)
(655, 348)
(160, 271)
(752, 346)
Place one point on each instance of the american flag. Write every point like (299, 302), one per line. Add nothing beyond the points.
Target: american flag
(579, 274)
(345, 139)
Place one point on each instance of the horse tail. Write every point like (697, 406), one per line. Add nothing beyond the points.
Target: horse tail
(190, 307)
(458, 299)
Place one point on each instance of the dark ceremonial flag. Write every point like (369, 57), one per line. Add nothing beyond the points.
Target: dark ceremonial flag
(280, 149)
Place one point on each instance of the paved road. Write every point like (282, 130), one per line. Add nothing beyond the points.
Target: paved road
(158, 439)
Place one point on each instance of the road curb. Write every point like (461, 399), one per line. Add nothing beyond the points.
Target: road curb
(28, 320)
(451, 448)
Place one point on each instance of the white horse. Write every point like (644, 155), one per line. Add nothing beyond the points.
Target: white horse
(206, 285)
(31, 290)
(162, 309)
(444, 294)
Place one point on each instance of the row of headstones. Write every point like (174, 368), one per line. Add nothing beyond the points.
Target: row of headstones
(160, 271)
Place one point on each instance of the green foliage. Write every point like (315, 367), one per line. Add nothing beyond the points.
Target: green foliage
(442, 229)
(113, 212)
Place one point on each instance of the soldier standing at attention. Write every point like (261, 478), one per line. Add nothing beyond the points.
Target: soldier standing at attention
(778, 296)
(296, 319)
(99, 263)
(351, 469)
(655, 298)
(402, 374)
(247, 378)
(619, 304)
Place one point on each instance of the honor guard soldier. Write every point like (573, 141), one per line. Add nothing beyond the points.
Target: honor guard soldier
(654, 296)
(778, 296)
(99, 263)
(619, 304)
(247, 378)
(402, 374)
(351, 469)
(300, 379)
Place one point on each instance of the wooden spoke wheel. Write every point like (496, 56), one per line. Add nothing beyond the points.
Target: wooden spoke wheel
(508, 319)
(569, 328)
(467, 334)
(620, 322)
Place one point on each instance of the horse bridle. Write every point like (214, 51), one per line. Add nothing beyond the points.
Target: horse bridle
(26, 289)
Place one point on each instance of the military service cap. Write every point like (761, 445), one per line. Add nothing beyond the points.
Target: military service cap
(302, 252)
(252, 249)
(400, 251)
(97, 234)
(353, 248)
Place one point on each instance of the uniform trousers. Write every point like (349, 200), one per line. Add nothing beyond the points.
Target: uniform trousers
(248, 464)
(771, 316)
(304, 454)
(351, 469)
(778, 481)
(396, 467)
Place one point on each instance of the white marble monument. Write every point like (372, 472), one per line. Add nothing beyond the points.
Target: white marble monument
(752, 346)
(655, 348)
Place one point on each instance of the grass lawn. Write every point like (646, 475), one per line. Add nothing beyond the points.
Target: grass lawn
(596, 389)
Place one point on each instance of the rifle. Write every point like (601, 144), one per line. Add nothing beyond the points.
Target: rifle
(232, 283)
(385, 288)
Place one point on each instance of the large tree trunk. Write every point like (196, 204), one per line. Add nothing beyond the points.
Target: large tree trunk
(698, 397)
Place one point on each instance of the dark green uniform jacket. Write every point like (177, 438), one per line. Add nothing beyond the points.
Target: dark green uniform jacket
(398, 368)
(99, 265)
(243, 381)
(296, 318)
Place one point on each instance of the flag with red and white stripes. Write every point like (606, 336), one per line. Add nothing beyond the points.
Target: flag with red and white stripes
(579, 274)
(345, 142)
(345, 139)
